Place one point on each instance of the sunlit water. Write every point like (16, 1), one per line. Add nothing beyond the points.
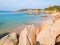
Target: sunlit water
(11, 19)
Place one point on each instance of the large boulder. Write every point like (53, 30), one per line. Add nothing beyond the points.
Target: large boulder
(46, 36)
(31, 33)
(56, 28)
(49, 33)
(28, 35)
(23, 39)
(10, 39)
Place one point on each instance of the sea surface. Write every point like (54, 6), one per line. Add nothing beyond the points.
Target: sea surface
(10, 19)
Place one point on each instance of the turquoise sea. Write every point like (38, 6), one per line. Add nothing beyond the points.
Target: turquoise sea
(11, 19)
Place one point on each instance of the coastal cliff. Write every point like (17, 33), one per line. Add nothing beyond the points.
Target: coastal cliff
(47, 33)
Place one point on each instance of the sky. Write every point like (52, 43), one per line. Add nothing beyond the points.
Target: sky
(22, 4)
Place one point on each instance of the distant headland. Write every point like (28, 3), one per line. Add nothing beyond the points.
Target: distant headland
(48, 9)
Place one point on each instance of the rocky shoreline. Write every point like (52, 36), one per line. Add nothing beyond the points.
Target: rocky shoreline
(48, 33)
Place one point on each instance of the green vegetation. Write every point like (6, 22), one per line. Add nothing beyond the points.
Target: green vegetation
(51, 8)
(24, 10)
(57, 8)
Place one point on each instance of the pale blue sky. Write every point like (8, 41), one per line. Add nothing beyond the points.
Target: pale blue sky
(20, 4)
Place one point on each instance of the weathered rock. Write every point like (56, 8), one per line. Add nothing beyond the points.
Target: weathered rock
(44, 23)
(46, 36)
(49, 33)
(10, 39)
(23, 39)
(56, 27)
(31, 33)
(27, 36)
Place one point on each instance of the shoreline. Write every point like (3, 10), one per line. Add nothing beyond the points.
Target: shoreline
(17, 28)
(47, 33)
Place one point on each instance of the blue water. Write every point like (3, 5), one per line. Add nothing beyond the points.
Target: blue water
(10, 19)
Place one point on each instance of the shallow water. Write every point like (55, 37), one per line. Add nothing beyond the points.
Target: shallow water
(10, 19)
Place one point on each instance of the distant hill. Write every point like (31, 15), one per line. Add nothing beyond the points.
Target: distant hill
(52, 8)
(24, 10)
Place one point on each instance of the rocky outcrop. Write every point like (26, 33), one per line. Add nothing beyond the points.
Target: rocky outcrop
(49, 33)
(10, 39)
(45, 30)
(45, 34)
(31, 33)
(28, 35)
(23, 40)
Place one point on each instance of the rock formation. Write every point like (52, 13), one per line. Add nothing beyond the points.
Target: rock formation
(56, 27)
(45, 34)
(10, 39)
(23, 40)
(49, 32)
(44, 23)
(27, 36)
